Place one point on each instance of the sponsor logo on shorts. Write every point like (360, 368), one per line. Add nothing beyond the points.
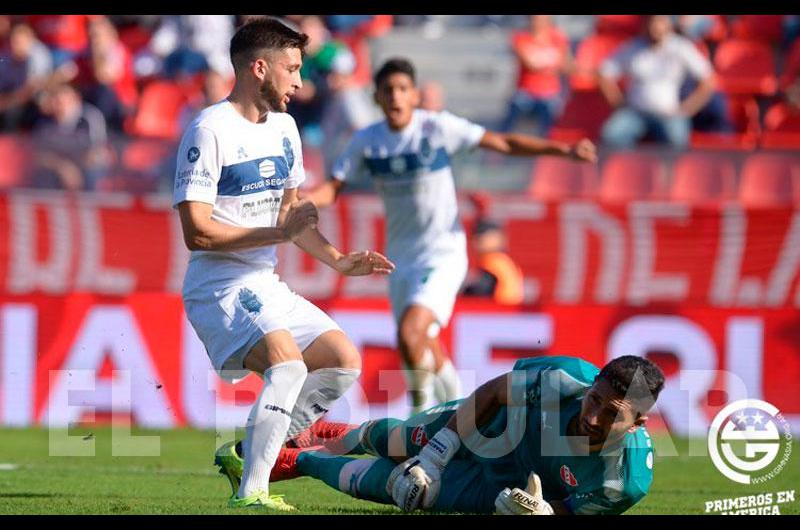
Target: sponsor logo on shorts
(319, 409)
(567, 476)
(250, 301)
(276, 408)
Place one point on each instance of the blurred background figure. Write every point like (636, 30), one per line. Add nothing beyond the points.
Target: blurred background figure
(25, 67)
(104, 73)
(66, 35)
(192, 44)
(495, 274)
(348, 109)
(543, 55)
(656, 66)
(216, 87)
(71, 141)
(432, 96)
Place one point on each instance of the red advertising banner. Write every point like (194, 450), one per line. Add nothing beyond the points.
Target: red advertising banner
(91, 322)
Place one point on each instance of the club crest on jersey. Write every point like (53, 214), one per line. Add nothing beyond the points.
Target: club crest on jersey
(266, 168)
(288, 153)
(419, 436)
(193, 155)
(567, 476)
(398, 165)
(426, 152)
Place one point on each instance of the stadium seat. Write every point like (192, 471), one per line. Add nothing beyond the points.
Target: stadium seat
(583, 116)
(745, 67)
(16, 161)
(591, 53)
(159, 110)
(770, 180)
(556, 179)
(743, 112)
(791, 68)
(767, 28)
(624, 26)
(781, 128)
(628, 176)
(700, 178)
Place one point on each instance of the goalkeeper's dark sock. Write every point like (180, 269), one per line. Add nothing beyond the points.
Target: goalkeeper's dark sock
(362, 478)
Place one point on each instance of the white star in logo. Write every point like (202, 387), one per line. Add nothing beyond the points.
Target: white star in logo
(741, 417)
(757, 418)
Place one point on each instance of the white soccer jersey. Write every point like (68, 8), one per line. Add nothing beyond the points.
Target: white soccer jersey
(411, 171)
(241, 168)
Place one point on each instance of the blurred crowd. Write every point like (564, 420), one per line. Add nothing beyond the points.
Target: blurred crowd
(103, 98)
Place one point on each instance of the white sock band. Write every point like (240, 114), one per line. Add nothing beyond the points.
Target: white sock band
(320, 391)
(268, 422)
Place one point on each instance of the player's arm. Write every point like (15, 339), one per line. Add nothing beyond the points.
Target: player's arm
(313, 242)
(514, 144)
(325, 194)
(201, 232)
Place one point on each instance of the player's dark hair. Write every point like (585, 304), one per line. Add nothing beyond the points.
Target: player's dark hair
(397, 65)
(633, 377)
(263, 34)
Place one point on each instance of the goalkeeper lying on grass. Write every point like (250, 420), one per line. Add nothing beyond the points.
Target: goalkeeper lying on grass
(555, 435)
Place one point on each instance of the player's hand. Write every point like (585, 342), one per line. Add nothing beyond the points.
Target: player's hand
(523, 502)
(416, 482)
(583, 151)
(302, 214)
(363, 263)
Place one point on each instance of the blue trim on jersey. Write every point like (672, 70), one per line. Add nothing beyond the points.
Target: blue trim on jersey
(245, 178)
(399, 165)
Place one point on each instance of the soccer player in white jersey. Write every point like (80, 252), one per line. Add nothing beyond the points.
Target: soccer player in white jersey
(239, 167)
(407, 156)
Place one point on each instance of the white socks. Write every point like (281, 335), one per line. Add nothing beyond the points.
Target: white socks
(446, 385)
(321, 389)
(268, 423)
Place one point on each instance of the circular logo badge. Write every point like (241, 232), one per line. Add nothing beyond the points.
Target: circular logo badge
(746, 439)
(194, 154)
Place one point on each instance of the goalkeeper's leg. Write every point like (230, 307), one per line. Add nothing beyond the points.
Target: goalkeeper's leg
(362, 478)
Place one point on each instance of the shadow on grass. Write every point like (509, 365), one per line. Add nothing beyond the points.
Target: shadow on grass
(26, 495)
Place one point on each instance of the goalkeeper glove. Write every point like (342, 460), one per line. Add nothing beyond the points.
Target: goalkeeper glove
(416, 482)
(523, 502)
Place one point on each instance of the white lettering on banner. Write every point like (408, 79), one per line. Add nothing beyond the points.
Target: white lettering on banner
(576, 219)
(786, 268)
(27, 273)
(730, 249)
(320, 282)
(17, 364)
(695, 352)
(644, 284)
(112, 330)
(178, 253)
(477, 333)
(201, 403)
(363, 211)
(92, 275)
(123, 443)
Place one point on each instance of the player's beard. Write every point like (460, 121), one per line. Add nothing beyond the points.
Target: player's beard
(271, 97)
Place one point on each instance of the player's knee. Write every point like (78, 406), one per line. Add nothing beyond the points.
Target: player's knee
(411, 333)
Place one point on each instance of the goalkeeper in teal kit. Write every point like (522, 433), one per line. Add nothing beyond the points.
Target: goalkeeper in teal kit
(555, 435)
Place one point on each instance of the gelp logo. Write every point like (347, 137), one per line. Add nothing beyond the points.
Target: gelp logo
(746, 437)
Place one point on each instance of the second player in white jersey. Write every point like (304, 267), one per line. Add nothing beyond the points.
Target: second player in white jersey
(408, 158)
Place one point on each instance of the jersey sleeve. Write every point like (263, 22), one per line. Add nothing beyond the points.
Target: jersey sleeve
(459, 134)
(297, 171)
(350, 164)
(199, 164)
(618, 64)
(697, 65)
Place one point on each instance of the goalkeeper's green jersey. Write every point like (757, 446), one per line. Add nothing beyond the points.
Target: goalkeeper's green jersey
(529, 435)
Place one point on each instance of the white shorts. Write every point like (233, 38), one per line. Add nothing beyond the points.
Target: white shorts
(231, 318)
(433, 283)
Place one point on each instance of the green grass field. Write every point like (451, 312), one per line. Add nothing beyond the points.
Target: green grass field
(182, 480)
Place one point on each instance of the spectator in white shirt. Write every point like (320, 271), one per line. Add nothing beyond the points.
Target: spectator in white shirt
(656, 66)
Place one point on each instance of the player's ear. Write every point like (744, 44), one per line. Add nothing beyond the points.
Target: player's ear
(259, 68)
